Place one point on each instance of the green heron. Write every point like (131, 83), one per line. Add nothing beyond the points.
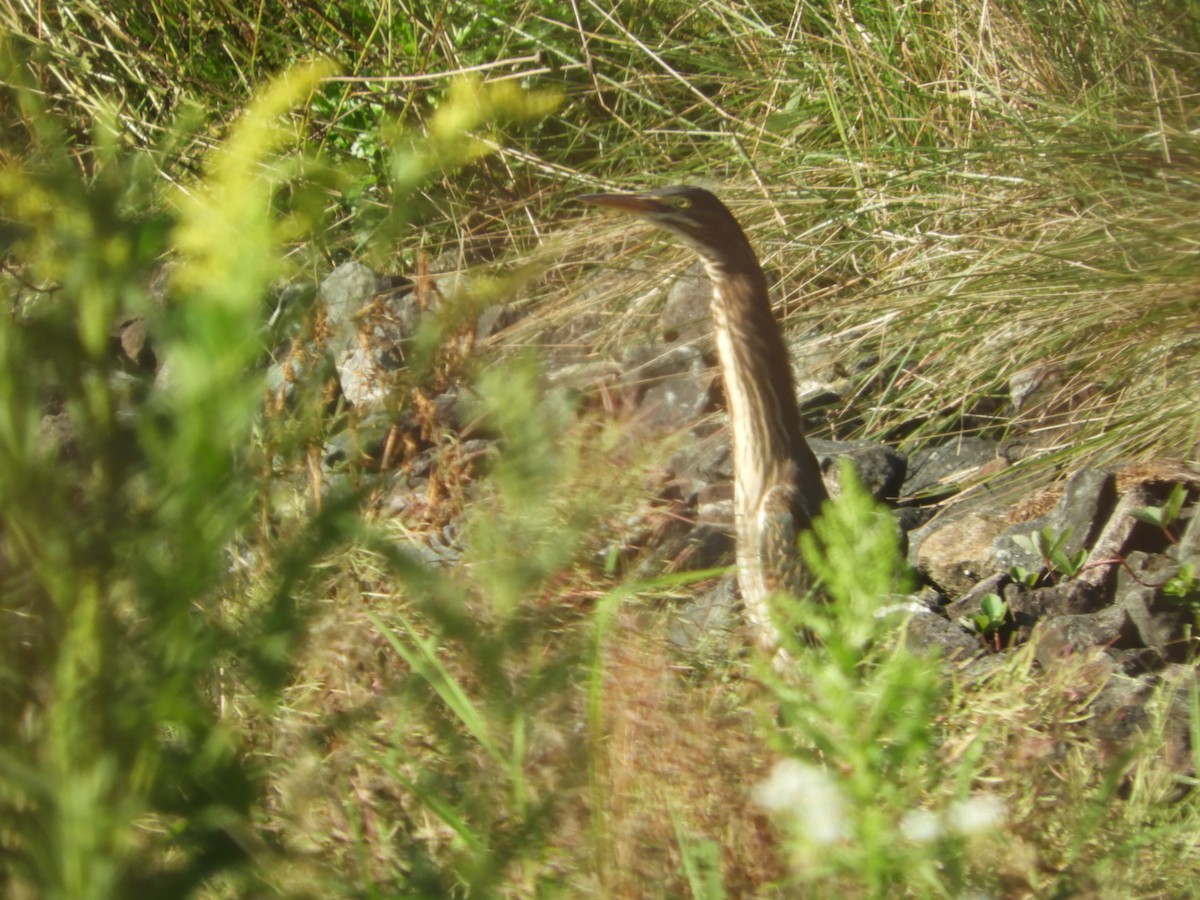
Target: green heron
(778, 488)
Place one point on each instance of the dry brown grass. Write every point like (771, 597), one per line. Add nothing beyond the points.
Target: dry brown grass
(680, 757)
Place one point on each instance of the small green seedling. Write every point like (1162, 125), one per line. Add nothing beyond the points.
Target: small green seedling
(1166, 515)
(1069, 564)
(1184, 587)
(1023, 576)
(1048, 544)
(989, 621)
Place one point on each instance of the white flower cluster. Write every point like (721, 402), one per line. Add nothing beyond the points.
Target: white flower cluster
(812, 801)
(808, 796)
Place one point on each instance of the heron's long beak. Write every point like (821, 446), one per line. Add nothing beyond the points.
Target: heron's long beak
(638, 204)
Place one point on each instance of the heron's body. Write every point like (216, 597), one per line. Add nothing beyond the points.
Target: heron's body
(778, 487)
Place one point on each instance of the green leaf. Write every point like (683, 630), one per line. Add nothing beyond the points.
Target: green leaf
(1027, 542)
(1174, 504)
(994, 607)
(1068, 564)
(1151, 515)
(1021, 575)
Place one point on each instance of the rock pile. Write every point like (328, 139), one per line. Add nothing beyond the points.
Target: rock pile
(1104, 563)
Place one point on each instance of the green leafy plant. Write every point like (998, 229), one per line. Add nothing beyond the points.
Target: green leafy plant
(1023, 576)
(701, 864)
(1166, 515)
(991, 618)
(856, 711)
(1048, 544)
(1184, 587)
(122, 779)
(149, 554)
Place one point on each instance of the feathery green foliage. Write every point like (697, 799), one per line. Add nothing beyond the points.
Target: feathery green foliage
(144, 551)
(122, 778)
(862, 706)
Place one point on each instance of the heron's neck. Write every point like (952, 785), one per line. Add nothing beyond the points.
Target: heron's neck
(759, 387)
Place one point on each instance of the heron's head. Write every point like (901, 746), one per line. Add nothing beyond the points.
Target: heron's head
(693, 214)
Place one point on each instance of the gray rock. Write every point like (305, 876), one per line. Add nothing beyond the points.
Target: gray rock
(56, 436)
(452, 282)
(355, 445)
(492, 320)
(1117, 536)
(970, 602)
(937, 471)
(1160, 624)
(1024, 383)
(299, 366)
(681, 548)
(1072, 597)
(1188, 548)
(574, 340)
(1074, 634)
(587, 378)
(879, 467)
(672, 385)
(955, 551)
(928, 632)
(371, 325)
(1120, 711)
(1043, 399)
(164, 377)
(819, 380)
(707, 459)
(910, 518)
(1087, 500)
(135, 346)
(345, 292)
(362, 380)
(686, 316)
(702, 625)
(981, 668)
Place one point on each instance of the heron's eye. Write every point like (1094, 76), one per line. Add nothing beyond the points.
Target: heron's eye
(683, 202)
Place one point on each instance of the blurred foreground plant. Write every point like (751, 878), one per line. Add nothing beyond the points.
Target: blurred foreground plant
(142, 551)
(857, 716)
(117, 777)
(495, 659)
